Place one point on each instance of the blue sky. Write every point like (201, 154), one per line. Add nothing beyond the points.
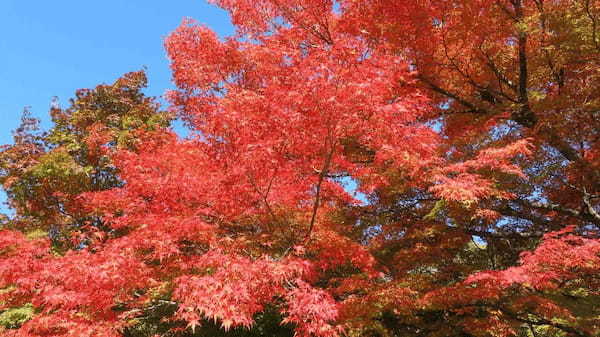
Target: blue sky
(52, 48)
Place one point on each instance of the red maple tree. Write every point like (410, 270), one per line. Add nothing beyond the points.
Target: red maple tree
(378, 168)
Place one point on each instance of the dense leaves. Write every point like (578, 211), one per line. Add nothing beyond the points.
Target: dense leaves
(360, 168)
(43, 172)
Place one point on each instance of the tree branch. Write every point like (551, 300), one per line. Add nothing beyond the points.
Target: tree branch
(455, 97)
(317, 202)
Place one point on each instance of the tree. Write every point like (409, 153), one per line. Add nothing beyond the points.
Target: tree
(43, 172)
(452, 118)
(499, 71)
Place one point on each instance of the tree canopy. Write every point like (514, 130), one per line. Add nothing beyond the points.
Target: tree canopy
(353, 168)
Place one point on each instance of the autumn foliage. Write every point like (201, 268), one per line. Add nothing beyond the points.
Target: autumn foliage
(353, 168)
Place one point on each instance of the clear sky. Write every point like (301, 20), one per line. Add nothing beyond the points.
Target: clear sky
(52, 48)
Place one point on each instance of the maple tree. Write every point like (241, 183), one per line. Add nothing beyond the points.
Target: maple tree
(360, 168)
